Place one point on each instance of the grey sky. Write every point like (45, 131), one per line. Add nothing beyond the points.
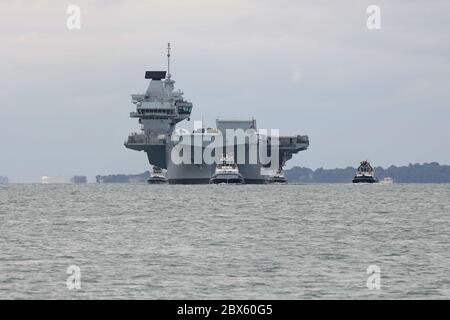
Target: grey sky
(309, 67)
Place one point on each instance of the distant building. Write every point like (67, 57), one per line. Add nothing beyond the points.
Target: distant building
(45, 180)
(123, 178)
(3, 180)
(79, 179)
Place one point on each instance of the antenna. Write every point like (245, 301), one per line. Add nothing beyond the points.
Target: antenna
(168, 60)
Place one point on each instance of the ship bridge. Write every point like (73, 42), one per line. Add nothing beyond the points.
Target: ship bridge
(158, 110)
(160, 102)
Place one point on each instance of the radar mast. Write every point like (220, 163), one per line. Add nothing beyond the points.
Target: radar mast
(168, 61)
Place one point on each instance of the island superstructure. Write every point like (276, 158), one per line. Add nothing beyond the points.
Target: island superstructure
(161, 107)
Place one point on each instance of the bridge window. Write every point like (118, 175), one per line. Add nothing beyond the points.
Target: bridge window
(184, 109)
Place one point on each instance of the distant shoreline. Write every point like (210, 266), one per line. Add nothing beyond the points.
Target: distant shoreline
(413, 173)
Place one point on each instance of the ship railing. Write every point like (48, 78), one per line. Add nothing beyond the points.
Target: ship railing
(136, 138)
(293, 140)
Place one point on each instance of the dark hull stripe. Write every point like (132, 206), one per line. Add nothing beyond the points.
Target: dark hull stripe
(364, 180)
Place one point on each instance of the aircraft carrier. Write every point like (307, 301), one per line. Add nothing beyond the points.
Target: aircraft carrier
(161, 107)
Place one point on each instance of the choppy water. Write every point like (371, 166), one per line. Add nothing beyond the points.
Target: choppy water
(237, 242)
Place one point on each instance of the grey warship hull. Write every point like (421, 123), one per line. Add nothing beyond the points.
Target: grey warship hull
(201, 174)
(158, 111)
(159, 154)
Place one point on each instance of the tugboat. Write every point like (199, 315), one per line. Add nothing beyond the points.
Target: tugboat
(227, 172)
(365, 174)
(277, 178)
(157, 176)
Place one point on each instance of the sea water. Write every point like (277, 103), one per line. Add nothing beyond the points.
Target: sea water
(139, 241)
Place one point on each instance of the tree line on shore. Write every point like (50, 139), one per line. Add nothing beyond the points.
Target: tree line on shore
(413, 173)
